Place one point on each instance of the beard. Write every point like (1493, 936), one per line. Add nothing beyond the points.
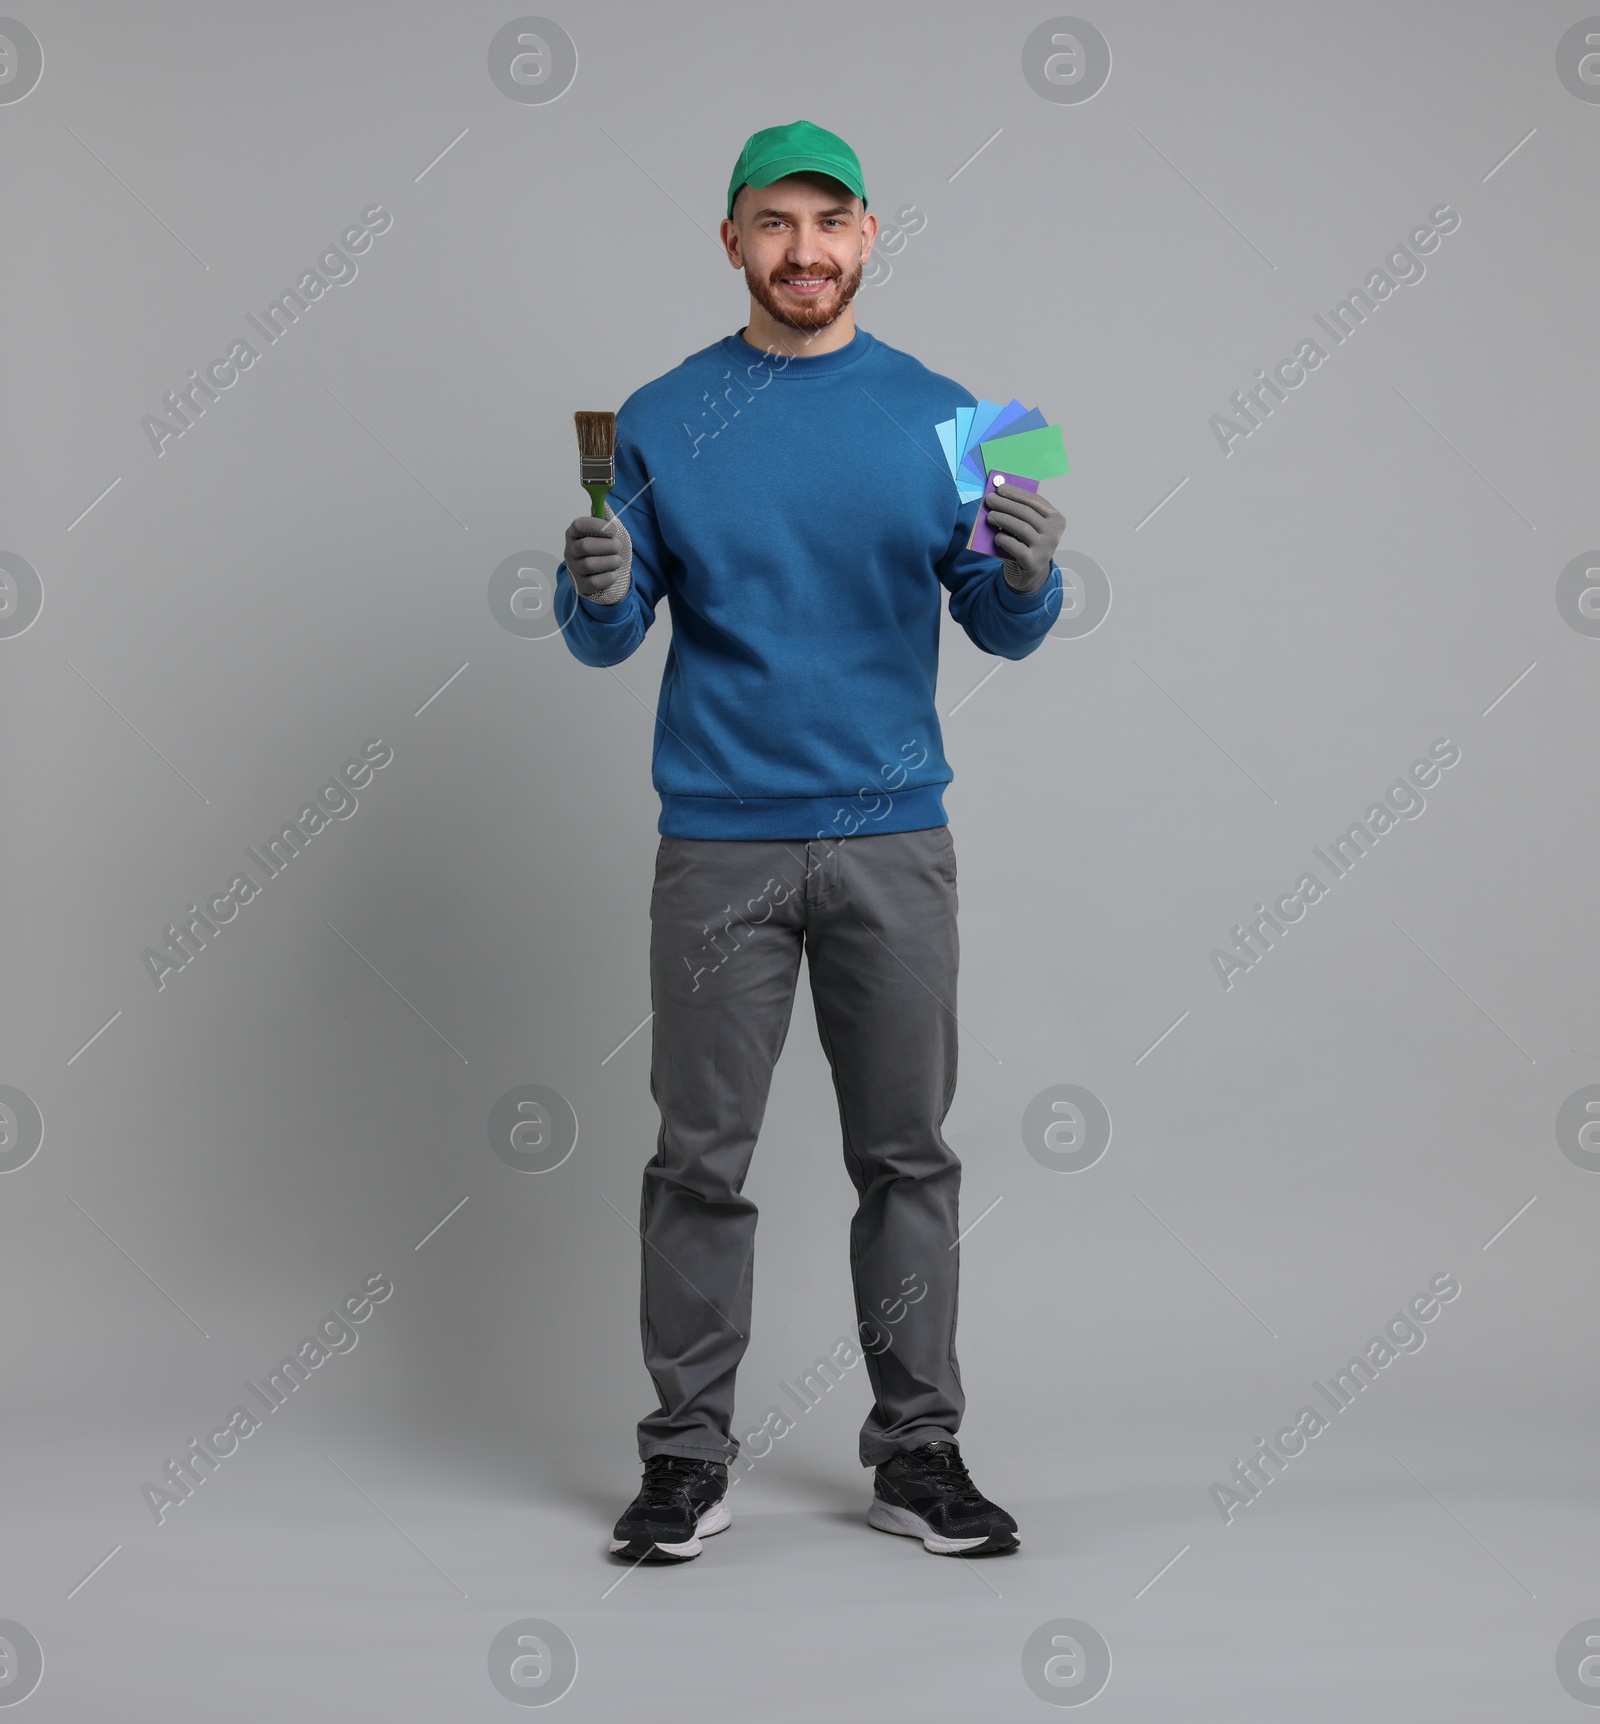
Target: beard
(812, 315)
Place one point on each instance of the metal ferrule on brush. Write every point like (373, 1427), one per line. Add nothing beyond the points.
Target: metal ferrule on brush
(597, 469)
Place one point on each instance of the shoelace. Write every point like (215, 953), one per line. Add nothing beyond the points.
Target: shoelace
(666, 1479)
(944, 1471)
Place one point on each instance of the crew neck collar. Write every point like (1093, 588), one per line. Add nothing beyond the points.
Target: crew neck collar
(811, 365)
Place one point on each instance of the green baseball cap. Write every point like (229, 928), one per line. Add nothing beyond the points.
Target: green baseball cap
(795, 149)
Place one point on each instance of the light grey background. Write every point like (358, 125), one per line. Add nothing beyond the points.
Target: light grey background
(308, 1100)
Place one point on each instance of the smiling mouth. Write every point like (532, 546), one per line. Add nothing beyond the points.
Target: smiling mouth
(806, 284)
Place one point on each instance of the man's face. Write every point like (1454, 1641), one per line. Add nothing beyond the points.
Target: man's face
(802, 242)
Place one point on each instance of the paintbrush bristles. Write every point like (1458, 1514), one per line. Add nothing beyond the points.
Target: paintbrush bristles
(597, 435)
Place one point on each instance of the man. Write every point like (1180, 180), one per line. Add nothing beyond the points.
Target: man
(783, 490)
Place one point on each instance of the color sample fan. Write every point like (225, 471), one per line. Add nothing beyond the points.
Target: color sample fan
(990, 444)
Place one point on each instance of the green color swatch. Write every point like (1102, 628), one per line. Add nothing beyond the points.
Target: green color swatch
(1033, 454)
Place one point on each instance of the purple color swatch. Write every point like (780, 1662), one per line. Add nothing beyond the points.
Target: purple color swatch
(982, 535)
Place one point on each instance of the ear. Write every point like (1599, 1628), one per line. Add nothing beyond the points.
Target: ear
(731, 245)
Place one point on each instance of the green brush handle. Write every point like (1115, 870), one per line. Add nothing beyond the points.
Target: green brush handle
(598, 493)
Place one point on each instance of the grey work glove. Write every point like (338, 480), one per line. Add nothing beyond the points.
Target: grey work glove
(599, 557)
(1027, 529)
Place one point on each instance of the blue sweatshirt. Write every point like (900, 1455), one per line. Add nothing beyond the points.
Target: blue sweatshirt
(800, 519)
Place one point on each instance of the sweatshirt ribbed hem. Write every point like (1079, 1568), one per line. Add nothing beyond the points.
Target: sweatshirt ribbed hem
(801, 817)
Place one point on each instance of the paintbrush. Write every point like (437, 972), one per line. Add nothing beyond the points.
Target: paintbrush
(597, 457)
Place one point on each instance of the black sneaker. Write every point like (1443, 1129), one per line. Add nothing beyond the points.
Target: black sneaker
(927, 1493)
(679, 1501)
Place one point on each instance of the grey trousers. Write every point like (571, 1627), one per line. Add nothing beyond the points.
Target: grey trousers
(876, 915)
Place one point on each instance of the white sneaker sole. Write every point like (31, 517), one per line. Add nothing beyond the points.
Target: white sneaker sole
(887, 1518)
(717, 1518)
